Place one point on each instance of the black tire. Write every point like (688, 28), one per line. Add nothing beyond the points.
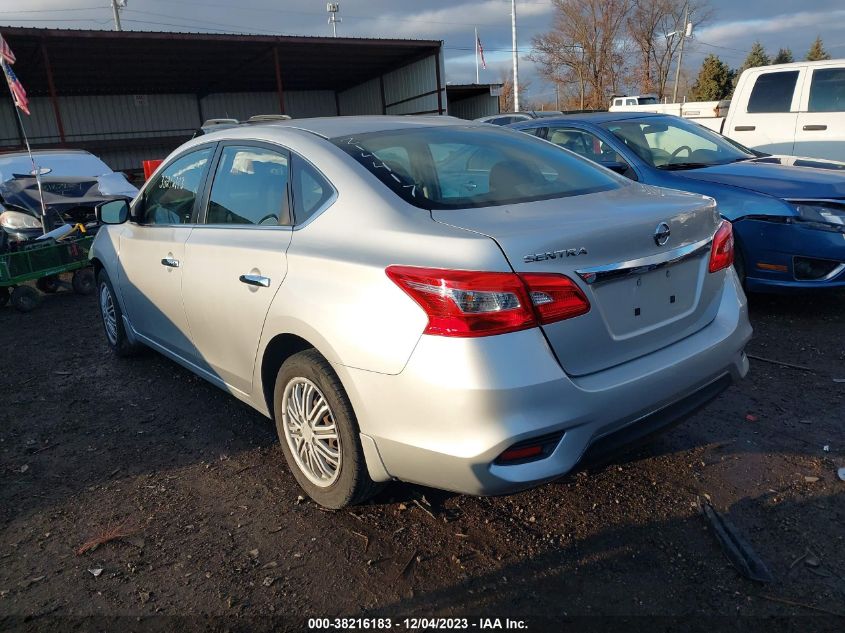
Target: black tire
(84, 282)
(48, 285)
(117, 340)
(25, 298)
(353, 484)
(4, 296)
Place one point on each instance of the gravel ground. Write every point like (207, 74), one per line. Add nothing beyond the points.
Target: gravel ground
(211, 524)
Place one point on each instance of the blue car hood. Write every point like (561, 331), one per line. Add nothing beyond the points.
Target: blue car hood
(770, 176)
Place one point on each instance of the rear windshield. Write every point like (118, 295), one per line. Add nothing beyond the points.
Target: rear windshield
(457, 167)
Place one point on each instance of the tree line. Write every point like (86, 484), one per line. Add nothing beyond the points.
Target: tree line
(716, 80)
(598, 48)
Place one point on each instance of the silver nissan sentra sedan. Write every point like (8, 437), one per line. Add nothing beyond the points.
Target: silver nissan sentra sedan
(425, 299)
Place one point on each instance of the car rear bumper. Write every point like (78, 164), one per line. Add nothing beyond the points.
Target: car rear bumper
(459, 403)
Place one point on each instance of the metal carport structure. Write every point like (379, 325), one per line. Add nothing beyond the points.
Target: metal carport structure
(132, 95)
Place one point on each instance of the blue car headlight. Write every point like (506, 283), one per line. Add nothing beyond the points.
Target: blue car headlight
(827, 215)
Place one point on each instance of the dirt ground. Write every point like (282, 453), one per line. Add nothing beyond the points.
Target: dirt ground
(215, 530)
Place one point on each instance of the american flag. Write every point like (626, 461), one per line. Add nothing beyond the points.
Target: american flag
(6, 53)
(18, 93)
(481, 52)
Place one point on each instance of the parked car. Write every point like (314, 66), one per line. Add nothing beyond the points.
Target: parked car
(72, 183)
(425, 299)
(506, 118)
(788, 214)
(632, 100)
(796, 109)
(215, 125)
(710, 114)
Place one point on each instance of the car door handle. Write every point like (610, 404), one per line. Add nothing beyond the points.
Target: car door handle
(814, 128)
(745, 128)
(170, 262)
(255, 280)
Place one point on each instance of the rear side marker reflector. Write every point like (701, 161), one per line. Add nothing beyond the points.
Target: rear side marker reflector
(530, 450)
(515, 454)
(465, 303)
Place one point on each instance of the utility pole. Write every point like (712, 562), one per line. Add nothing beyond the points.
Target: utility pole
(515, 59)
(685, 32)
(116, 6)
(581, 76)
(333, 8)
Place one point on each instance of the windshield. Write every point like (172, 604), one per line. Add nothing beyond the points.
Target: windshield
(71, 165)
(674, 143)
(457, 167)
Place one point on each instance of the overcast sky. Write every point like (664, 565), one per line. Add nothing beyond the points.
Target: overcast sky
(729, 33)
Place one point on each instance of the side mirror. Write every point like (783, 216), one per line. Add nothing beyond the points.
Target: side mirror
(112, 212)
(617, 166)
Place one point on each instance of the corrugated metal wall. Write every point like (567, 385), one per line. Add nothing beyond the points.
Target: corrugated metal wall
(242, 105)
(364, 98)
(412, 89)
(474, 107)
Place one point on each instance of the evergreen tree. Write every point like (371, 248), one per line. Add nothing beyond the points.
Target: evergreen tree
(714, 81)
(784, 56)
(756, 57)
(817, 52)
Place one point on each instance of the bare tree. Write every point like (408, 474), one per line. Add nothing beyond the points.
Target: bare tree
(649, 25)
(506, 93)
(585, 47)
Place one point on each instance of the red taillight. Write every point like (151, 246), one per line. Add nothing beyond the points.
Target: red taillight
(471, 303)
(722, 252)
(555, 297)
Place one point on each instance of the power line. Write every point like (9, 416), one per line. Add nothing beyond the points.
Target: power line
(352, 16)
(57, 10)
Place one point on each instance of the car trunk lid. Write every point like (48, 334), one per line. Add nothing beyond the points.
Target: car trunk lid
(645, 293)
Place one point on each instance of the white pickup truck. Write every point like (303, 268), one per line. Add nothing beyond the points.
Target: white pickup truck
(796, 109)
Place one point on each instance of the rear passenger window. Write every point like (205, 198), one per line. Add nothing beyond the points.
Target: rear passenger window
(533, 131)
(827, 91)
(311, 191)
(250, 187)
(773, 92)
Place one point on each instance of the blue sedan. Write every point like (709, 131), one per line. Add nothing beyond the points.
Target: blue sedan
(788, 213)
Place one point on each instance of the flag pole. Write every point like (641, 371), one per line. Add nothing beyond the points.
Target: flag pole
(35, 170)
(476, 56)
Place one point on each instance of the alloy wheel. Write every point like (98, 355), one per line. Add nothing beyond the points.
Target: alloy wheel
(109, 314)
(311, 432)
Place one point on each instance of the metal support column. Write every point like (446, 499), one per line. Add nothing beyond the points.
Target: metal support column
(53, 97)
(439, 84)
(279, 88)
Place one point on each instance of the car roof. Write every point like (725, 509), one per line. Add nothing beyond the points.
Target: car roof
(331, 127)
(591, 117)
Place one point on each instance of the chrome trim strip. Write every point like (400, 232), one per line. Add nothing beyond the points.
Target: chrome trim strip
(833, 273)
(600, 274)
